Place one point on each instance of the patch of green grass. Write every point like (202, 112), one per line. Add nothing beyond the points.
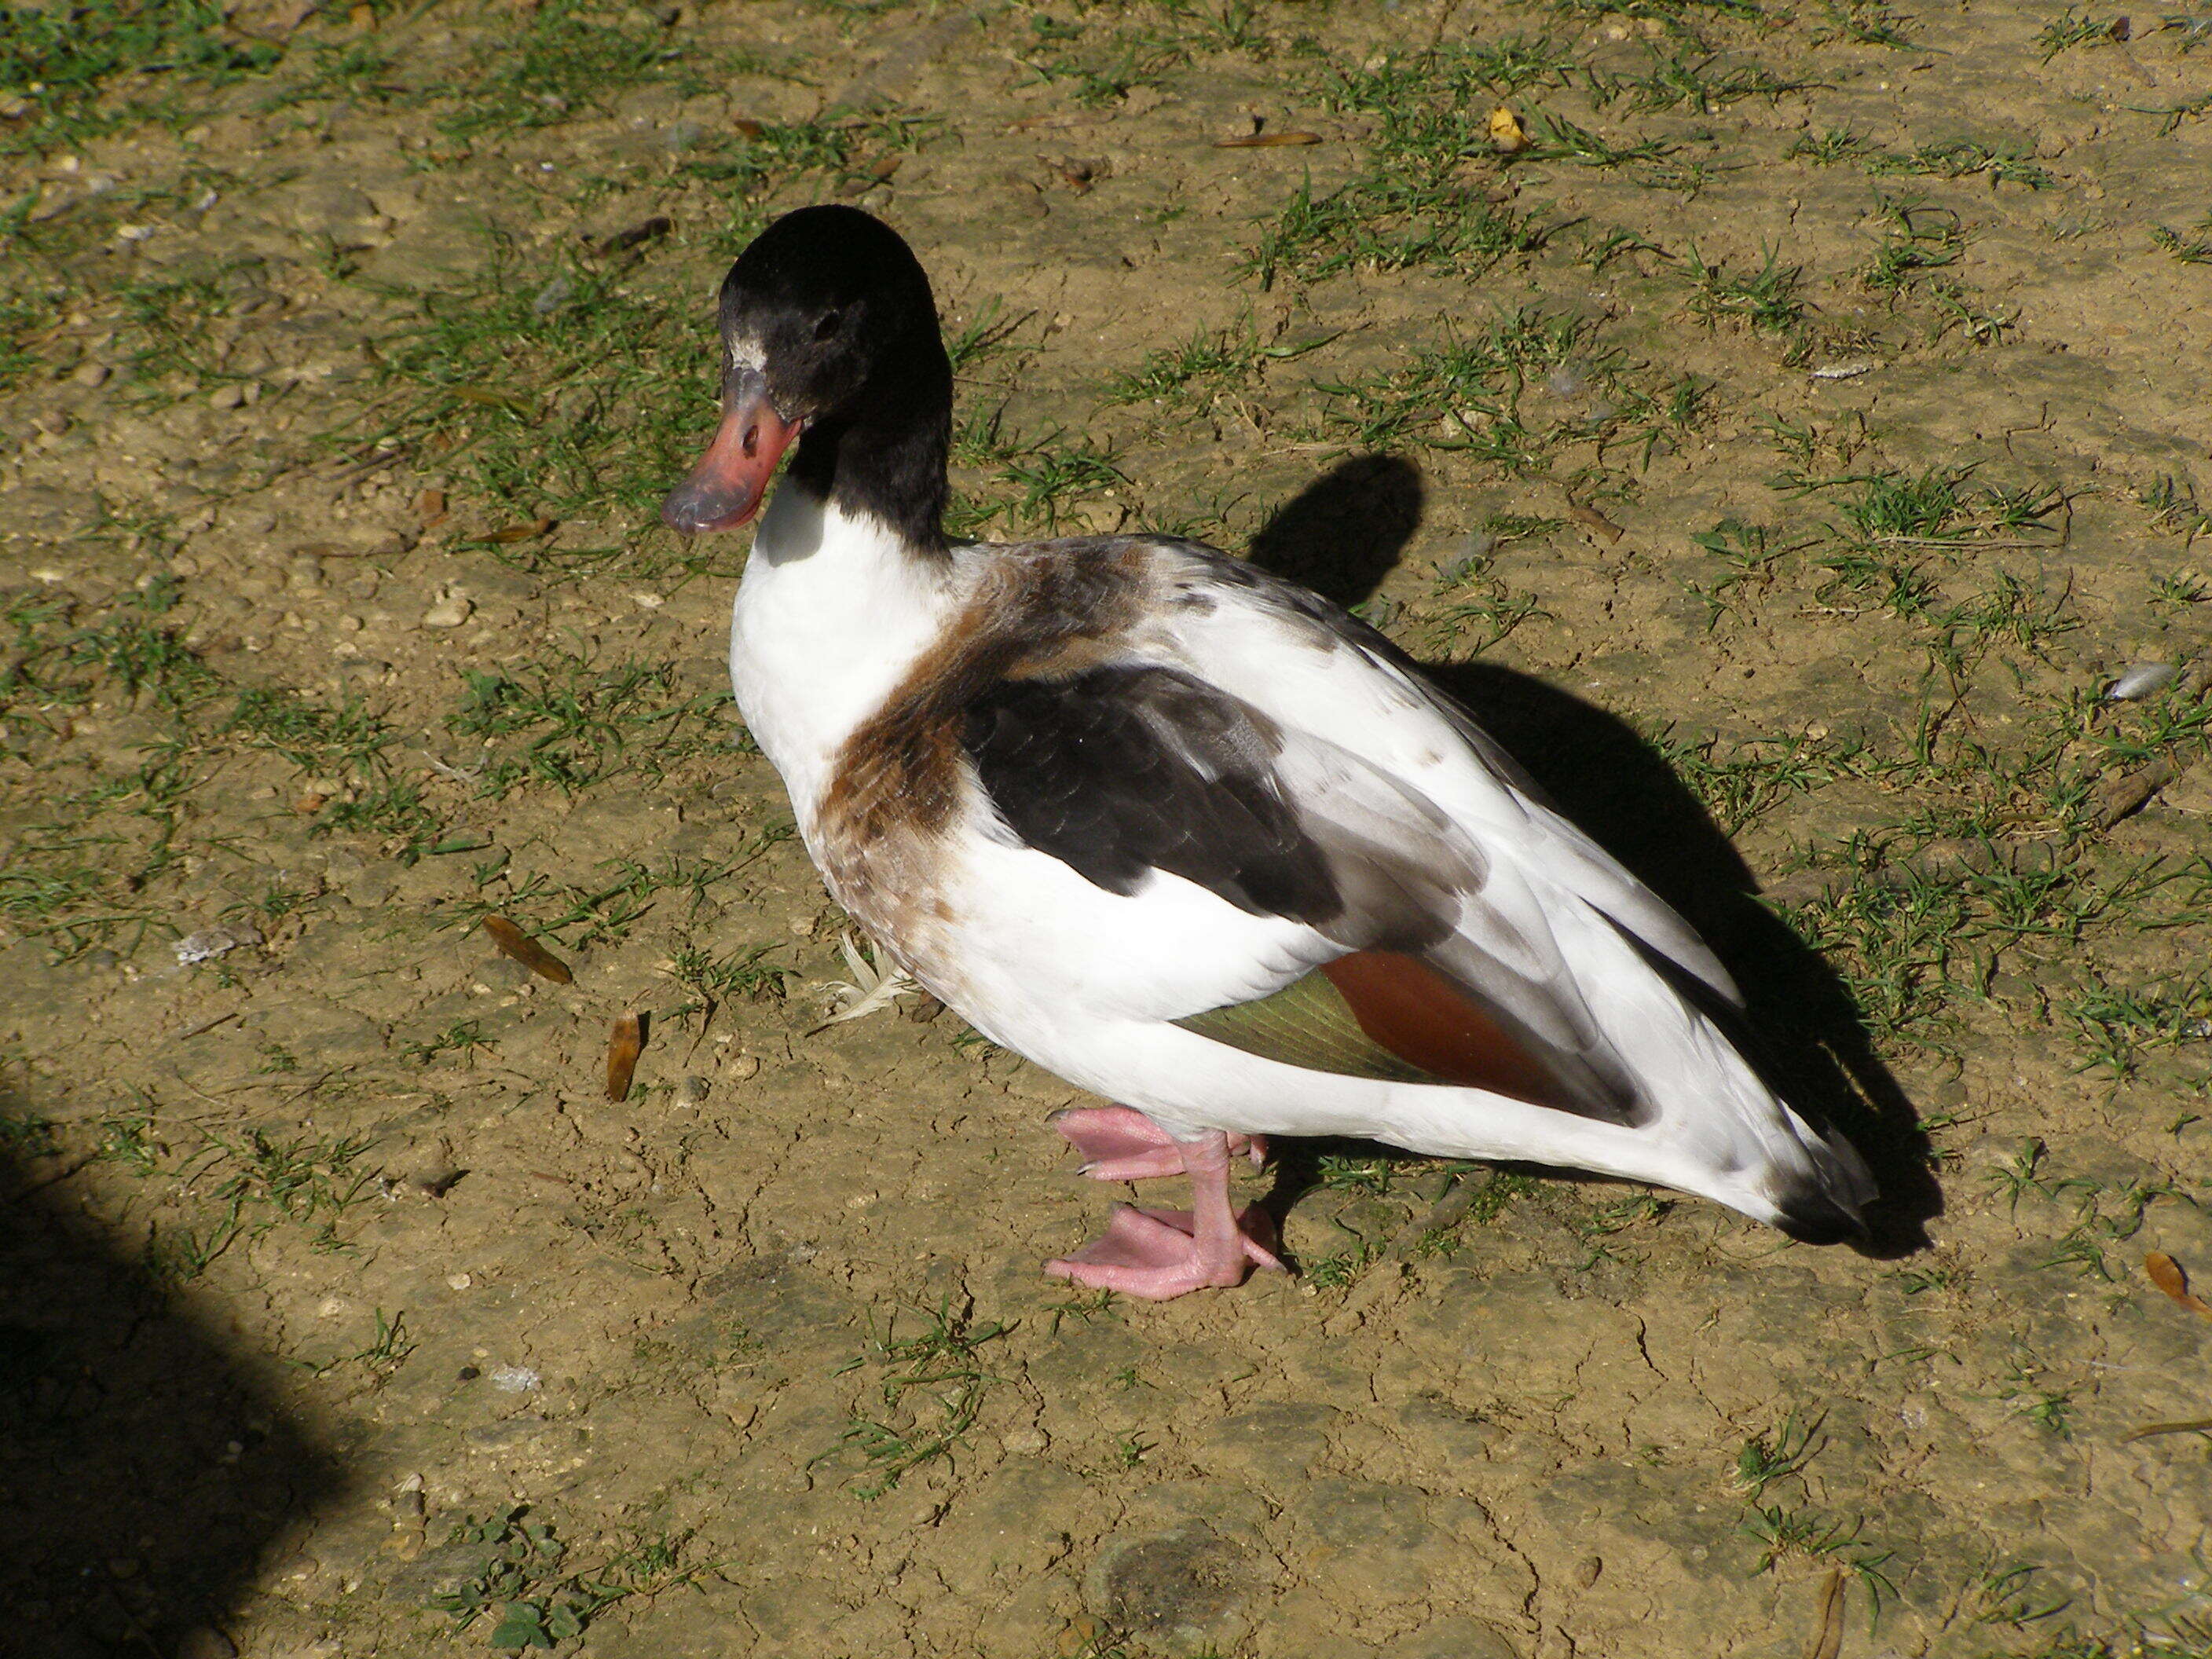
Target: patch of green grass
(1700, 82)
(1949, 158)
(714, 980)
(359, 70)
(570, 57)
(2191, 249)
(569, 723)
(540, 1604)
(1055, 471)
(1500, 1190)
(353, 745)
(1419, 201)
(1741, 782)
(2072, 29)
(1681, 17)
(1388, 220)
(2050, 1409)
(2008, 1596)
(1780, 1532)
(260, 1181)
(1861, 23)
(29, 1134)
(847, 152)
(557, 392)
(1943, 1275)
(1373, 1176)
(1560, 139)
(1766, 1458)
(931, 1387)
(1100, 66)
(1747, 555)
(1471, 608)
(1341, 1268)
(1897, 944)
(1210, 360)
(1515, 394)
(2172, 505)
(1917, 239)
(67, 61)
(2119, 1025)
(1766, 300)
(2171, 116)
(461, 1036)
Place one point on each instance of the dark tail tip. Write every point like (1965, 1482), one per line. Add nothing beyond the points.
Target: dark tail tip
(1811, 1217)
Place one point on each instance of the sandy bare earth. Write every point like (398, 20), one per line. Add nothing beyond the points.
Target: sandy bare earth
(1785, 420)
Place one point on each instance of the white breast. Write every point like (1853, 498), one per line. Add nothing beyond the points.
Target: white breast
(832, 614)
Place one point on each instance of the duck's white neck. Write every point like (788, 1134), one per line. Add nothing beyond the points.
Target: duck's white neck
(833, 611)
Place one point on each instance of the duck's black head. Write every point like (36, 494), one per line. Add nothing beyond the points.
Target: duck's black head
(828, 330)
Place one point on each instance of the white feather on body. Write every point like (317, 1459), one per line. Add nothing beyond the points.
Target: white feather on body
(832, 613)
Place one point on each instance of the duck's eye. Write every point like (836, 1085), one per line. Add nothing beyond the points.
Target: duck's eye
(829, 323)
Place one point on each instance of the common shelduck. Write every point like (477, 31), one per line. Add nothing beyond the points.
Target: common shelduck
(1187, 835)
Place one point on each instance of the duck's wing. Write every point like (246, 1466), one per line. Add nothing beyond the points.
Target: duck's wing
(1318, 670)
(1435, 928)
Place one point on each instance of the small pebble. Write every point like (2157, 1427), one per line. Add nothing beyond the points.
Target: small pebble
(90, 374)
(450, 612)
(226, 397)
(515, 1379)
(211, 942)
(458, 1281)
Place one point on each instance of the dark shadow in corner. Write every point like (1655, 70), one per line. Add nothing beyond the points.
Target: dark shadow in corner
(144, 1470)
(1340, 536)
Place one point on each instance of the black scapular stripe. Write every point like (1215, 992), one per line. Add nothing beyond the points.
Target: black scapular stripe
(1118, 771)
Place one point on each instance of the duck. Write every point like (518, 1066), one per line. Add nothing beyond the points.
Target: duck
(1188, 836)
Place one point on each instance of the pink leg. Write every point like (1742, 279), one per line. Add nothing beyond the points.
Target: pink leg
(1160, 1253)
(1119, 1143)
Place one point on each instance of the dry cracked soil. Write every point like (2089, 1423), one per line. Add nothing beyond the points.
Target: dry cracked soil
(1785, 421)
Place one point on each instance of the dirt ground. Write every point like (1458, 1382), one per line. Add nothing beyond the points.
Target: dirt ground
(1787, 424)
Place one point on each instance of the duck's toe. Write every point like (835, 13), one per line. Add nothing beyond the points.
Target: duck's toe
(1118, 1143)
(1154, 1255)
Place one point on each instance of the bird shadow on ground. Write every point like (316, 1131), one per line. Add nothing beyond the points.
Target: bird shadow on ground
(1342, 536)
(147, 1472)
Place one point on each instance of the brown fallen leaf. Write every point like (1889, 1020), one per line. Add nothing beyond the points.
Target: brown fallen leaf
(1596, 523)
(745, 127)
(513, 942)
(431, 505)
(1268, 140)
(2116, 797)
(623, 1047)
(1828, 1635)
(521, 533)
(2163, 1271)
(1507, 135)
